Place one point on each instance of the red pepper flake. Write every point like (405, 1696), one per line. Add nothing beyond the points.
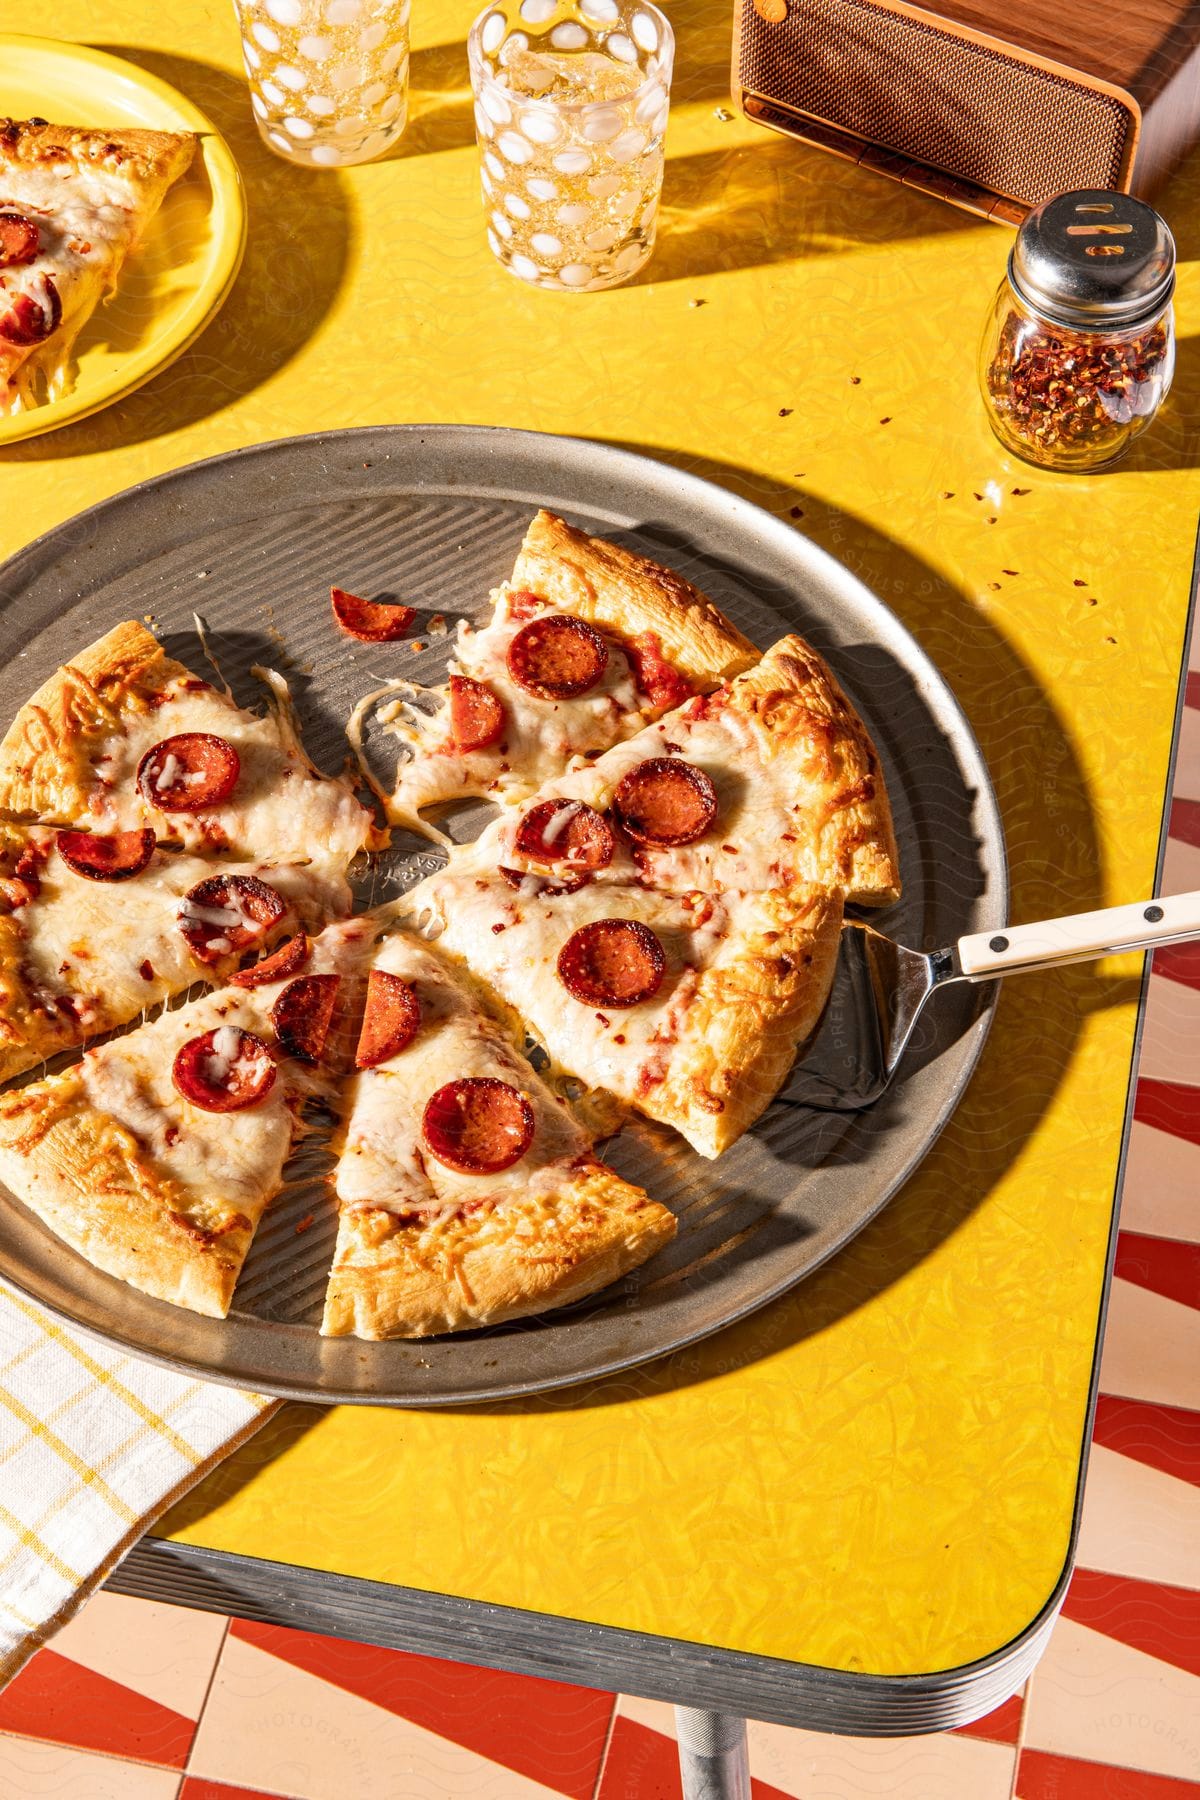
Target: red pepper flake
(992, 520)
(1078, 583)
(146, 970)
(797, 512)
(978, 496)
(887, 420)
(1010, 571)
(1021, 492)
(1110, 640)
(304, 1224)
(995, 586)
(855, 380)
(1092, 602)
(785, 412)
(1071, 395)
(947, 493)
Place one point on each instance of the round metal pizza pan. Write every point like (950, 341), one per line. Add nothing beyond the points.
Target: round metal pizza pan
(252, 541)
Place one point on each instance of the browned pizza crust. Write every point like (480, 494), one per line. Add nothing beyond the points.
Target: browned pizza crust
(149, 159)
(92, 1183)
(45, 773)
(799, 714)
(91, 194)
(629, 594)
(396, 1279)
(752, 1008)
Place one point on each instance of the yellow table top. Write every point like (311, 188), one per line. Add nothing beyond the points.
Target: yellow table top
(878, 1472)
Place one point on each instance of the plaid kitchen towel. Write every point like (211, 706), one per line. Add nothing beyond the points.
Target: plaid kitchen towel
(94, 1446)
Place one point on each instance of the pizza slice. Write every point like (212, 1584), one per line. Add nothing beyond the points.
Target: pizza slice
(123, 738)
(95, 929)
(155, 1155)
(689, 1007)
(770, 782)
(467, 1192)
(586, 643)
(73, 204)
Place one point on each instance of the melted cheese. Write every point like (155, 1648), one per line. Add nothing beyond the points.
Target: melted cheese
(280, 800)
(768, 821)
(515, 942)
(107, 949)
(87, 225)
(541, 735)
(223, 1161)
(384, 1164)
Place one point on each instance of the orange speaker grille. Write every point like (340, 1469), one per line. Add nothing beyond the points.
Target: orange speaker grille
(936, 97)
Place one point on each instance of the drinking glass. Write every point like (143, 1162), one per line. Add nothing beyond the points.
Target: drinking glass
(328, 78)
(571, 104)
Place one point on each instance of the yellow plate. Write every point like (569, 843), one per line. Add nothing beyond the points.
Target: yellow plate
(178, 278)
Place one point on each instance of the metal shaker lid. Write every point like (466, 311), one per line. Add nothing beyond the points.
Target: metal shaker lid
(1094, 259)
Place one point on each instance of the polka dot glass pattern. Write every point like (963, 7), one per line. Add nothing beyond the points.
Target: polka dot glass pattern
(328, 78)
(571, 105)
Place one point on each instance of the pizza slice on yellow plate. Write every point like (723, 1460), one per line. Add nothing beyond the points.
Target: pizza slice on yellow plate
(73, 204)
(586, 644)
(123, 738)
(688, 1007)
(468, 1193)
(95, 929)
(155, 1155)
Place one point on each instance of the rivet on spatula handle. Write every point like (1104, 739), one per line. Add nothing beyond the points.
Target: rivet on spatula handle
(1080, 937)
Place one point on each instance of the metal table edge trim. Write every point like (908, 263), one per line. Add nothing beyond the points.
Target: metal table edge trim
(554, 1648)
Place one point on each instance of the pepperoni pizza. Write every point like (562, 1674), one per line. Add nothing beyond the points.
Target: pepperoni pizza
(586, 644)
(658, 904)
(73, 204)
(467, 1192)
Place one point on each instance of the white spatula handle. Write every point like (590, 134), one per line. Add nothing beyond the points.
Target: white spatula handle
(1081, 937)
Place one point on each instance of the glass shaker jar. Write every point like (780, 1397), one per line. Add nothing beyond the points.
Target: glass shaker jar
(1079, 347)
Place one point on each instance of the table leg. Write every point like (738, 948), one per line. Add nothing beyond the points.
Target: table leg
(713, 1759)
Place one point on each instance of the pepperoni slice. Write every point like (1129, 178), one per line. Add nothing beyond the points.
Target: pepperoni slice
(558, 831)
(391, 1019)
(478, 1125)
(658, 679)
(370, 621)
(188, 772)
(303, 1014)
(557, 658)
(289, 959)
(18, 239)
(476, 716)
(612, 962)
(113, 858)
(224, 1070)
(664, 801)
(32, 317)
(226, 914)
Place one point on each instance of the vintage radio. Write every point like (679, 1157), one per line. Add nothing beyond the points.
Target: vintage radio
(992, 104)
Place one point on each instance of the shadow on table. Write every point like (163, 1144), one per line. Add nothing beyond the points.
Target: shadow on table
(298, 242)
(774, 200)
(1037, 778)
